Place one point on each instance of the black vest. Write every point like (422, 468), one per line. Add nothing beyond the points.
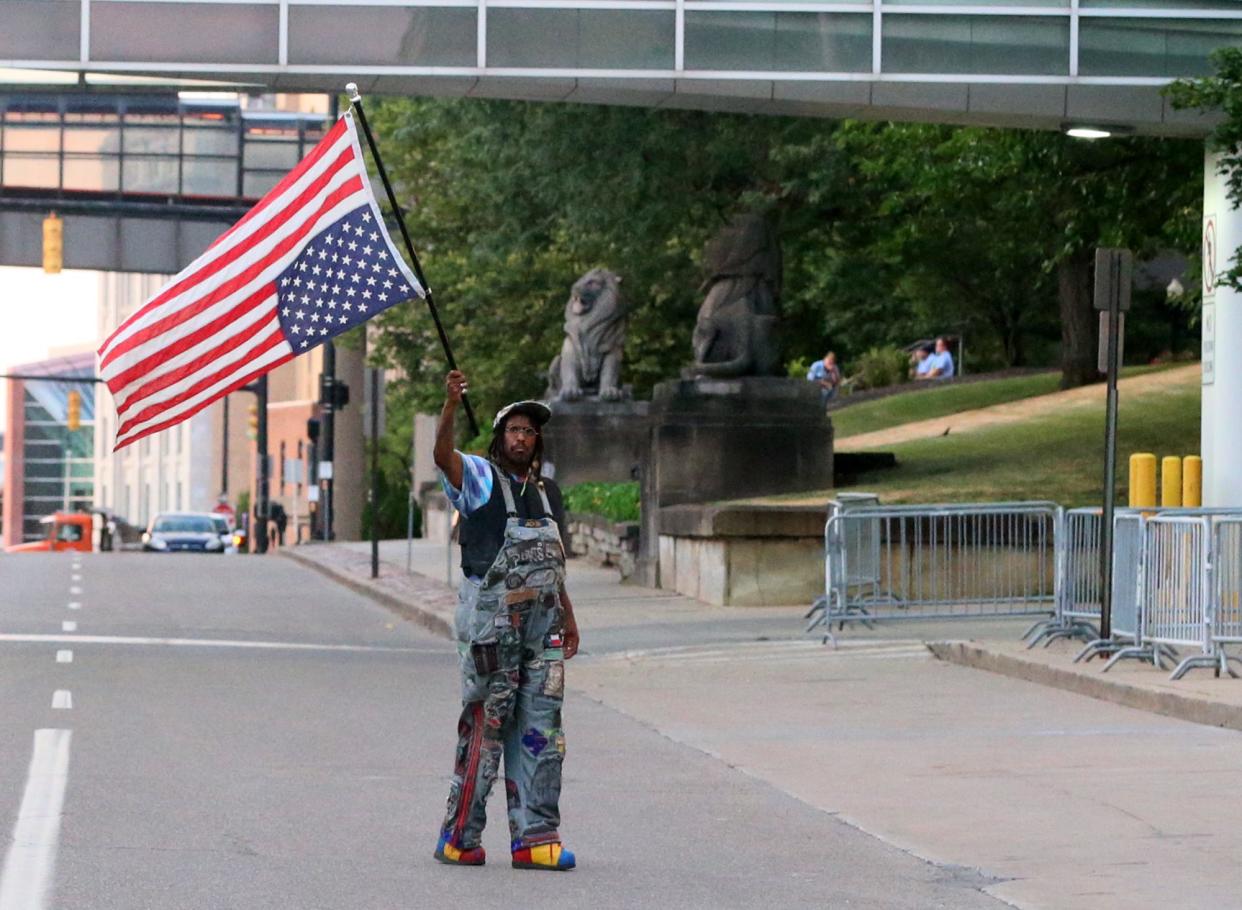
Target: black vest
(483, 533)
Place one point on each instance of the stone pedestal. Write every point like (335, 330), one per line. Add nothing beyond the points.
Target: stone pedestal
(593, 440)
(723, 439)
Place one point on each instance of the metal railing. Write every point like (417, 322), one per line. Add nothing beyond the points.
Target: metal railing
(937, 562)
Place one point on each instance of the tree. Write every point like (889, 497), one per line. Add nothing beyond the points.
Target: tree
(1220, 93)
(890, 232)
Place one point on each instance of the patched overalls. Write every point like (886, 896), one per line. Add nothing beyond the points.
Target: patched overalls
(513, 678)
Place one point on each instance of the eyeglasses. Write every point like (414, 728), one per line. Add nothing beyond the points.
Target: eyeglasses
(525, 432)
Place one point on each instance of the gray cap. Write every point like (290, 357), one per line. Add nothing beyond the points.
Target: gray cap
(537, 411)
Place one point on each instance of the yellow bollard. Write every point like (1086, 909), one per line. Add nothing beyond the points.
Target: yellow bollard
(1142, 480)
(1192, 481)
(1170, 482)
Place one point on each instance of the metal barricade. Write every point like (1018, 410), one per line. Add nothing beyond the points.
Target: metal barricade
(938, 561)
(1126, 617)
(1227, 590)
(1078, 580)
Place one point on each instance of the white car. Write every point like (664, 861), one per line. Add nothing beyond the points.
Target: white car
(187, 532)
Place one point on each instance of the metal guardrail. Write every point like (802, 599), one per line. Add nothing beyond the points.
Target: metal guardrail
(936, 562)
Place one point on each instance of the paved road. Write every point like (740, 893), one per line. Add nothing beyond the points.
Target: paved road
(236, 732)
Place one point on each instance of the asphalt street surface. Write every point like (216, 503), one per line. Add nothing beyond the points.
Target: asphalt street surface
(240, 732)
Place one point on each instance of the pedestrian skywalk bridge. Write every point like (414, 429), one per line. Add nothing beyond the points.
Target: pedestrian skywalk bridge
(775, 652)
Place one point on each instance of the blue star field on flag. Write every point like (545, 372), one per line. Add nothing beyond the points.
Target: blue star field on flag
(344, 276)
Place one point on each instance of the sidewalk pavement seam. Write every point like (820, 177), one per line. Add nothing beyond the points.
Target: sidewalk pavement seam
(427, 602)
(1170, 704)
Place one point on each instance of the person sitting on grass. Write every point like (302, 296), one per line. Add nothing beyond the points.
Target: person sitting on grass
(923, 363)
(941, 361)
(828, 375)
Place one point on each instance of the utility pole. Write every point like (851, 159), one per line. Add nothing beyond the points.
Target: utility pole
(327, 400)
(264, 478)
(224, 452)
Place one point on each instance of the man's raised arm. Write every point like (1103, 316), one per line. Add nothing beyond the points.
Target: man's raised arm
(447, 457)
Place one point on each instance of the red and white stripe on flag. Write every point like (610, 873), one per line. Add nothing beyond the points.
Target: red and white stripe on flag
(215, 327)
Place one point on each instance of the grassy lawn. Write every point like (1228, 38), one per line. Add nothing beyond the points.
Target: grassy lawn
(925, 405)
(1058, 457)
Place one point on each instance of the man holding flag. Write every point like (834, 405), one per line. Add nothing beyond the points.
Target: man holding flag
(311, 260)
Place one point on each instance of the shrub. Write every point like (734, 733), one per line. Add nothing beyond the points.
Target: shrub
(614, 501)
(881, 367)
(796, 368)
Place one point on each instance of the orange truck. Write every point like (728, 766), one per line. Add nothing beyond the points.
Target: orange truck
(65, 531)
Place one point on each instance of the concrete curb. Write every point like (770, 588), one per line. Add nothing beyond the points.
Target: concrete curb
(431, 620)
(1171, 704)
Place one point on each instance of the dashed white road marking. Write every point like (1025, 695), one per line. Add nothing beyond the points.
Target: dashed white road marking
(75, 577)
(75, 590)
(62, 699)
(64, 657)
(31, 860)
(69, 626)
(75, 605)
(205, 643)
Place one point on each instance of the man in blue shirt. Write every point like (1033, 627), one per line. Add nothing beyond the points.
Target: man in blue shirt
(515, 628)
(827, 375)
(941, 361)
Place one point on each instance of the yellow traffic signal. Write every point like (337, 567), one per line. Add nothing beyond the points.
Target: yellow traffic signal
(253, 431)
(53, 243)
(74, 415)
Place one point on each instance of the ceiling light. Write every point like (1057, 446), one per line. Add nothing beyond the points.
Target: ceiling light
(1087, 132)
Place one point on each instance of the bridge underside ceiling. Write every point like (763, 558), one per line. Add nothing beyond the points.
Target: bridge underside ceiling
(1009, 104)
(1036, 63)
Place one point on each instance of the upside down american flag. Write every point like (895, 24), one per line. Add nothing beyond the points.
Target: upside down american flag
(311, 260)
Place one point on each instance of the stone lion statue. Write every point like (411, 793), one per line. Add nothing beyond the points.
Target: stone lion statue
(590, 358)
(735, 334)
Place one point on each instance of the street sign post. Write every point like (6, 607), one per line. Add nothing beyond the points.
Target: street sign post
(1113, 279)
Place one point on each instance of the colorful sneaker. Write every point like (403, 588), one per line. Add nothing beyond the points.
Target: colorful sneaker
(455, 856)
(552, 857)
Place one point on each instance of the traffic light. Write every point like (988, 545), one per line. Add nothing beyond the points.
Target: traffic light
(73, 416)
(53, 243)
(334, 393)
(252, 431)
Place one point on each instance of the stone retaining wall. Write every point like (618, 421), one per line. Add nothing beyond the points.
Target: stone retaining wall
(604, 542)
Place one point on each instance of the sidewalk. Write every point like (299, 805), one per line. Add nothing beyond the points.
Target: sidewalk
(1052, 801)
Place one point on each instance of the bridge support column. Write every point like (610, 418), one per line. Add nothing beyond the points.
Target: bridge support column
(1221, 432)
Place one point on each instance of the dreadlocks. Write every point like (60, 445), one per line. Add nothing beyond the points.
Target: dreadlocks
(495, 450)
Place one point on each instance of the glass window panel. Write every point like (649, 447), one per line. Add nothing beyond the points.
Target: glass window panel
(580, 39)
(427, 36)
(209, 177)
(31, 138)
(1060, 4)
(814, 42)
(39, 470)
(187, 32)
(81, 469)
(1188, 5)
(150, 175)
(34, 172)
(89, 173)
(42, 488)
(164, 140)
(999, 45)
(204, 140)
(255, 185)
(92, 139)
(1152, 47)
(40, 30)
(262, 153)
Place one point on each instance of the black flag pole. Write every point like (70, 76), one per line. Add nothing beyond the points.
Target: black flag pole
(355, 101)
